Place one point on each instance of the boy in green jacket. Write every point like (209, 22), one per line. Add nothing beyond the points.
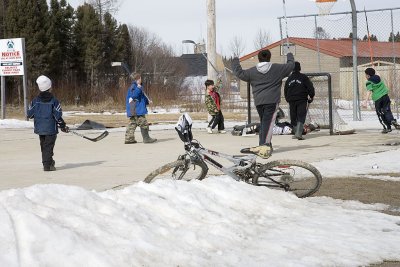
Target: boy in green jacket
(379, 91)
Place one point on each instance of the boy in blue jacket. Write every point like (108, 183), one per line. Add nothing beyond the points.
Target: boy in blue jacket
(136, 110)
(46, 111)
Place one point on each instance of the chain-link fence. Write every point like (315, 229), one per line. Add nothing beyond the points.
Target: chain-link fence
(331, 35)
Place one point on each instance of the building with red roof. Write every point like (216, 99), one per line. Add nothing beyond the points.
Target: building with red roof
(336, 57)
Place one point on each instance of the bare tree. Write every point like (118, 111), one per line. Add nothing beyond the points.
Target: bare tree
(262, 39)
(155, 61)
(320, 33)
(237, 46)
(104, 6)
(143, 42)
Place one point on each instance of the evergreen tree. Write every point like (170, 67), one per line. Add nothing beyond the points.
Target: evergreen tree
(351, 36)
(87, 47)
(60, 39)
(12, 21)
(109, 41)
(3, 9)
(372, 38)
(123, 51)
(53, 45)
(396, 37)
(27, 19)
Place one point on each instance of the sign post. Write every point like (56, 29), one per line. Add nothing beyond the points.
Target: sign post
(12, 63)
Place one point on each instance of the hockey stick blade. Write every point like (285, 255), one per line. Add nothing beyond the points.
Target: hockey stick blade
(98, 138)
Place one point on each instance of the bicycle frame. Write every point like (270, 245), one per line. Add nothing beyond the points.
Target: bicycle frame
(240, 162)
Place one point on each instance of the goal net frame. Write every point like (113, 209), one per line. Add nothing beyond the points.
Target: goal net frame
(321, 111)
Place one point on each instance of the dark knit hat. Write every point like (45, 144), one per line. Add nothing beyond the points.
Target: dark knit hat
(370, 71)
(297, 66)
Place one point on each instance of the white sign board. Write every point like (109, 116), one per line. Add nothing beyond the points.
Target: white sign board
(11, 57)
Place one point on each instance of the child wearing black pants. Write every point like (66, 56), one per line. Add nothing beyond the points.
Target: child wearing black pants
(213, 105)
(377, 88)
(46, 111)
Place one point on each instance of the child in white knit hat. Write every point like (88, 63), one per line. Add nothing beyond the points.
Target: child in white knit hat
(46, 111)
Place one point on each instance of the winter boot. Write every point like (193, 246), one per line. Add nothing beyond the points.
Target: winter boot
(396, 124)
(130, 141)
(130, 135)
(49, 168)
(386, 130)
(294, 131)
(299, 131)
(146, 138)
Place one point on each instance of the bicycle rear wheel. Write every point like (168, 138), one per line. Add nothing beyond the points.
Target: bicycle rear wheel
(295, 176)
(182, 169)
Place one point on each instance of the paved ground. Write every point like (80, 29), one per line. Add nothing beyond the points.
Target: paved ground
(108, 163)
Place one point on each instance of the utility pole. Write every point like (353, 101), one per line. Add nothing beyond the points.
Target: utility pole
(356, 94)
(211, 40)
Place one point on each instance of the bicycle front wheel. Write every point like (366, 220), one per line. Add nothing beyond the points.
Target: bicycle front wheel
(295, 176)
(182, 169)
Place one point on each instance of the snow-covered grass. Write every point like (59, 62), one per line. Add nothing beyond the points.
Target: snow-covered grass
(215, 222)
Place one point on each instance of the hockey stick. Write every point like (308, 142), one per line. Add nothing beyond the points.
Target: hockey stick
(98, 138)
(286, 26)
(371, 52)
(131, 75)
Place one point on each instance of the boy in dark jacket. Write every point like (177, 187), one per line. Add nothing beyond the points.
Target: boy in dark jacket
(379, 91)
(266, 81)
(46, 111)
(298, 91)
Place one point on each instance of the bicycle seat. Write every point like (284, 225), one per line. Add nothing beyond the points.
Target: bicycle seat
(184, 128)
(263, 151)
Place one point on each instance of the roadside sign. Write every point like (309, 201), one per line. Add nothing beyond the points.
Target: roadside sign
(11, 57)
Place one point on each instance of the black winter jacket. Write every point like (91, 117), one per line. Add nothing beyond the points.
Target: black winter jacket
(298, 87)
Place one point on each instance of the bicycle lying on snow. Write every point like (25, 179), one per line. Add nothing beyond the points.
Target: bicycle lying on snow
(294, 176)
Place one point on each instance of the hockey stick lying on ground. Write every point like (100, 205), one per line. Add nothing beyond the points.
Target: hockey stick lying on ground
(98, 138)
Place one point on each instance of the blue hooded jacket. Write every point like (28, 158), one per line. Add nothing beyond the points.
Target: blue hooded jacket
(138, 98)
(47, 113)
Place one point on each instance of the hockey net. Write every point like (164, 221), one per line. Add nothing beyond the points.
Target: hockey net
(320, 110)
(325, 6)
(323, 111)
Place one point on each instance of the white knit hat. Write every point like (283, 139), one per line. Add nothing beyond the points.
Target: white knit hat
(43, 83)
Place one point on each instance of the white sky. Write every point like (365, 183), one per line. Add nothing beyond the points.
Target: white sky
(177, 20)
(214, 222)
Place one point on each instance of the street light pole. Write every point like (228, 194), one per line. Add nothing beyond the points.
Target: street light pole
(211, 40)
(356, 96)
(209, 63)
